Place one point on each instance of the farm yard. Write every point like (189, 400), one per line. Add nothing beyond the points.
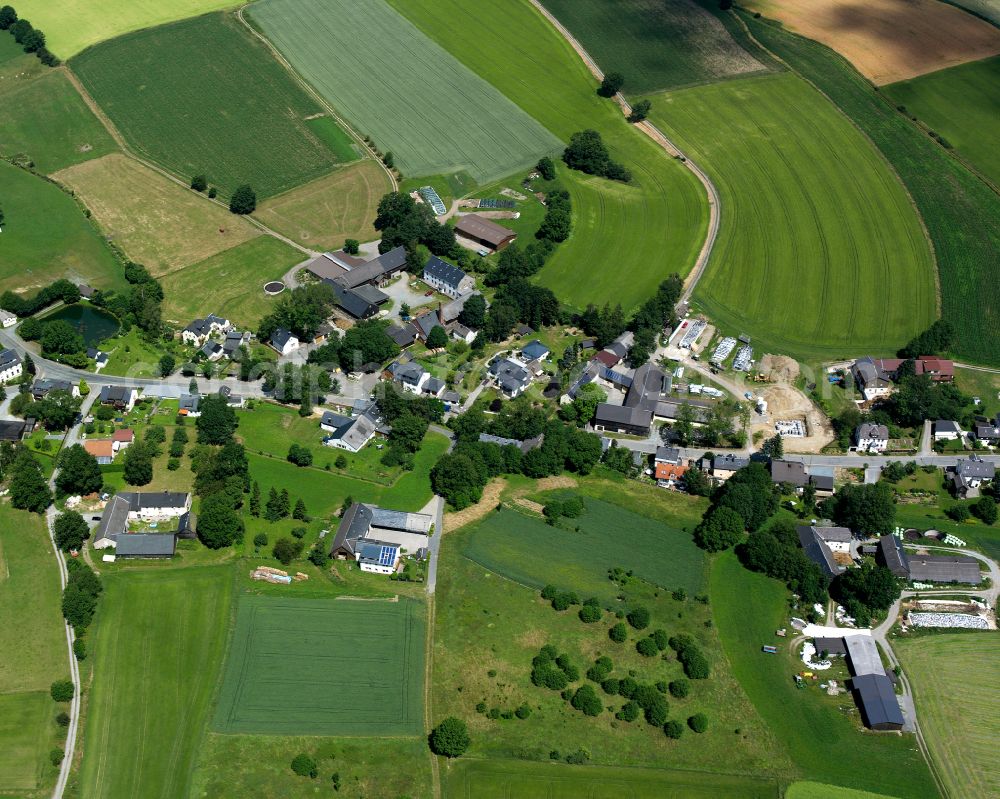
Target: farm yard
(330, 209)
(485, 779)
(961, 214)
(203, 96)
(156, 222)
(46, 236)
(849, 253)
(628, 37)
(961, 104)
(157, 650)
(628, 238)
(367, 656)
(451, 123)
(952, 675)
(885, 40)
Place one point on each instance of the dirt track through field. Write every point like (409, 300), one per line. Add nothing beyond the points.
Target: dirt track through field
(889, 40)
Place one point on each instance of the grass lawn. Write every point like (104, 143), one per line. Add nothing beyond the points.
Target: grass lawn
(848, 253)
(72, 25)
(961, 720)
(26, 735)
(985, 385)
(203, 96)
(823, 735)
(234, 280)
(339, 206)
(130, 355)
(487, 779)
(626, 239)
(523, 547)
(259, 766)
(655, 46)
(963, 105)
(46, 236)
(452, 123)
(155, 221)
(157, 648)
(962, 215)
(284, 649)
(47, 120)
(488, 629)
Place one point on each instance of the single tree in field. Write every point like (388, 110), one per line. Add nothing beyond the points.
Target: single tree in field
(78, 472)
(199, 183)
(640, 111)
(244, 200)
(546, 168)
(450, 738)
(255, 499)
(612, 84)
(138, 465)
(70, 530)
(167, 364)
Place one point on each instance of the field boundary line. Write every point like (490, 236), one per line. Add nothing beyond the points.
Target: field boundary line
(315, 95)
(428, 677)
(659, 138)
(882, 156)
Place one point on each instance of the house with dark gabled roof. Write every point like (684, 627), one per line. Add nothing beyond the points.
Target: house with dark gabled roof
(484, 232)
(534, 351)
(15, 429)
(146, 545)
(947, 430)
(725, 466)
(818, 552)
(891, 554)
(284, 341)
(791, 472)
(212, 351)
(986, 430)
(509, 377)
(403, 334)
(409, 374)
(43, 386)
(366, 532)
(877, 700)
(121, 397)
(447, 278)
(870, 437)
(623, 419)
(969, 474)
(348, 434)
(10, 366)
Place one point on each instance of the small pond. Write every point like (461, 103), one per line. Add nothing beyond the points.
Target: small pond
(90, 322)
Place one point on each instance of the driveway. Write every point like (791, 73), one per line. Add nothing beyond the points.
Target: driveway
(400, 291)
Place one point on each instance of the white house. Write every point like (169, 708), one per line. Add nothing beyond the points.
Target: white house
(10, 366)
(375, 537)
(121, 397)
(446, 278)
(7, 319)
(947, 430)
(871, 437)
(155, 506)
(284, 341)
(509, 376)
(198, 332)
(347, 433)
(410, 375)
(212, 350)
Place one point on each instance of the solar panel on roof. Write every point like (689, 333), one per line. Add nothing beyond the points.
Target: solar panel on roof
(387, 556)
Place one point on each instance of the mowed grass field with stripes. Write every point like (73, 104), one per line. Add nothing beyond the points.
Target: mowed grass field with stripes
(324, 667)
(820, 252)
(954, 678)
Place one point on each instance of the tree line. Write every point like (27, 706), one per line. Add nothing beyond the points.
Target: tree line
(25, 34)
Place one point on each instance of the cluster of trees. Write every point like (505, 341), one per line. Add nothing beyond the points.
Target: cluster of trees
(718, 424)
(300, 455)
(26, 35)
(522, 711)
(847, 421)
(611, 84)
(775, 551)
(79, 599)
(517, 300)
(690, 656)
(865, 590)
(918, 397)
(570, 507)
(403, 221)
(298, 385)
(301, 310)
(59, 339)
(868, 509)
(56, 410)
(558, 221)
(935, 340)
(409, 418)
(587, 153)
(200, 183)
(27, 488)
(222, 474)
(61, 289)
(581, 409)
(652, 644)
(78, 472)
(743, 503)
(366, 342)
(70, 530)
(984, 509)
(141, 306)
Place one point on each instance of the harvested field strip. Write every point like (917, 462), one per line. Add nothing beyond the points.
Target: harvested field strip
(283, 648)
(204, 96)
(626, 239)
(655, 44)
(408, 94)
(155, 221)
(961, 213)
(322, 214)
(959, 715)
(888, 41)
(812, 219)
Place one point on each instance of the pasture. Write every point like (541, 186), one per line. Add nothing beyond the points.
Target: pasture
(324, 667)
(203, 96)
(962, 104)
(26, 735)
(155, 221)
(159, 642)
(526, 549)
(825, 743)
(450, 122)
(46, 236)
(815, 790)
(72, 25)
(952, 675)
(655, 45)
(486, 779)
(46, 119)
(848, 252)
(234, 280)
(962, 215)
(325, 212)
(885, 40)
(626, 239)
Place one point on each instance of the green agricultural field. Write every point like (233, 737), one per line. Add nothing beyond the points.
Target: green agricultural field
(408, 94)
(157, 650)
(234, 279)
(987, 9)
(526, 549)
(485, 779)
(46, 236)
(962, 104)
(848, 252)
(72, 25)
(626, 239)
(284, 650)
(961, 213)
(662, 45)
(47, 120)
(959, 719)
(816, 790)
(26, 722)
(204, 96)
(826, 744)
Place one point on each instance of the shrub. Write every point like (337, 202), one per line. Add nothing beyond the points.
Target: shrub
(62, 690)
(661, 686)
(260, 540)
(450, 738)
(63, 719)
(638, 617)
(493, 714)
(698, 722)
(661, 638)
(627, 687)
(656, 713)
(680, 688)
(673, 729)
(610, 686)
(618, 633)
(480, 707)
(578, 758)
(647, 647)
(958, 513)
(523, 711)
(602, 668)
(629, 712)
(56, 756)
(80, 649)
(564, 599)
(695, 664)
(549, 592)
(590, 614)
(304, 766)
(572, 672)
